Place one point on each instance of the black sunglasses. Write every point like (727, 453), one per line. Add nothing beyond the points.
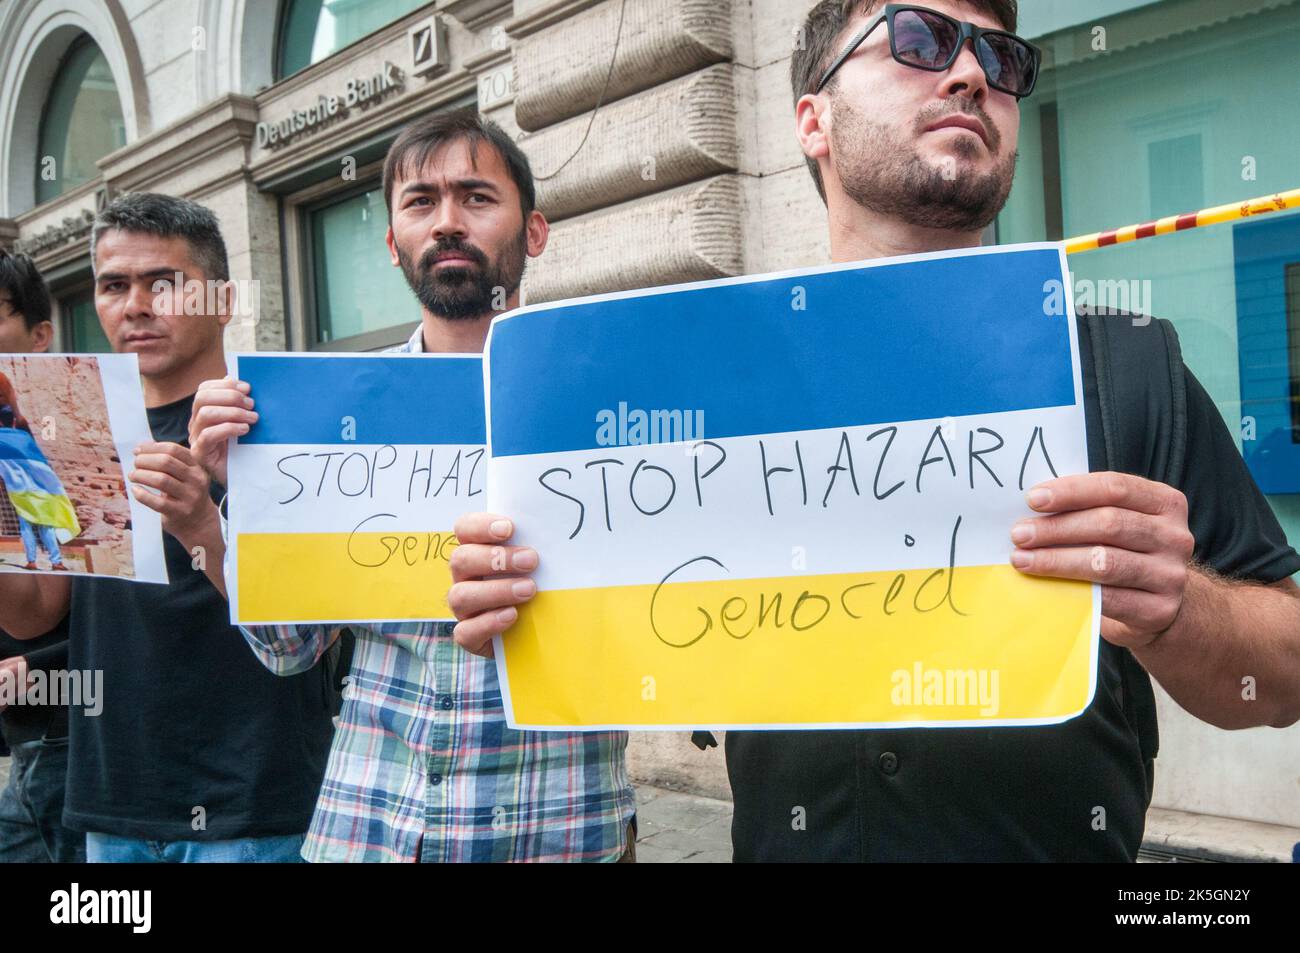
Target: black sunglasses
(929, 40)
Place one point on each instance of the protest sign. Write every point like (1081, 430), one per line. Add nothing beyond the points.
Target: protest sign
(786, 501)
(69, 426)
(344, 494)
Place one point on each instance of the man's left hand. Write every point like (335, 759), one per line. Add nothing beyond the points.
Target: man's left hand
(187, 510)
(1128, 534)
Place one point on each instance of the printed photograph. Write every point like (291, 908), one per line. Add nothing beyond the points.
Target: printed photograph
(65, 506)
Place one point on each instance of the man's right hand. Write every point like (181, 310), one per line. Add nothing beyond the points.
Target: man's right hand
(222, 409)
(489, 579)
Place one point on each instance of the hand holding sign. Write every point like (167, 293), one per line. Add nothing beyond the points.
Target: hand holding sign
(181, 486)
(223, 410)
(1124, 532)
(484, 591)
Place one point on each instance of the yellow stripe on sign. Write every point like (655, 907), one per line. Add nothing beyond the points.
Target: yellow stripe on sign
(986, 644)
(327, 577)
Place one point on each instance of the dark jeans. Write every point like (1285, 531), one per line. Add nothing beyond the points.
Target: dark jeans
(31, 807)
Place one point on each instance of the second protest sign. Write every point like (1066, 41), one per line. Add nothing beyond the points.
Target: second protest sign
(345, 493)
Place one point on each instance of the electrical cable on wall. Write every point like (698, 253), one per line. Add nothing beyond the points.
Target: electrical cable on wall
(613, 59)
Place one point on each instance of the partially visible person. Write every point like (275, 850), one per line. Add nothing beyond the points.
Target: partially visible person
(198, 754)
(34, 736)
(424, 767)
(1196, 591)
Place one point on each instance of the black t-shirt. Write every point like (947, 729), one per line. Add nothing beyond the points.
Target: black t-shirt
(1006, 794)
(19, 723)
(191, 720)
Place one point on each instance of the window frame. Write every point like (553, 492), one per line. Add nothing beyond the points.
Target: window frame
(80, 43)
(63, 318)
(300, 249)
(281, 22)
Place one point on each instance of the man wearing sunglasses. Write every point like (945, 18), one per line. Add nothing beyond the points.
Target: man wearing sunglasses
(909, 118)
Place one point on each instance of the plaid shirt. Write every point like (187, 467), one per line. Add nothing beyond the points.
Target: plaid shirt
(423, 765)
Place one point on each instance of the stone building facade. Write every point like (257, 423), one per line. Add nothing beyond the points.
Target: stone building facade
(688, 170)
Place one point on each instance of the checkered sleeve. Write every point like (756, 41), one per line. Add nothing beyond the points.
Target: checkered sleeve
(290, 649)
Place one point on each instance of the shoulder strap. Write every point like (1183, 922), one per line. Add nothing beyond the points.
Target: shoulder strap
(1143, 404)
(1139, 367)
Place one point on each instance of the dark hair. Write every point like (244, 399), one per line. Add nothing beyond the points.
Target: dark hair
(822, 31)
(167, 216)
(420, 140)
(27, 290)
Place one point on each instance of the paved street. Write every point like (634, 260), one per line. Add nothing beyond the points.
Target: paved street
(675, 827)
(682, 828)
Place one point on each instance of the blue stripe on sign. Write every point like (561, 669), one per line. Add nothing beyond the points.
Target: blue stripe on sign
(910, 341)
(392, 399)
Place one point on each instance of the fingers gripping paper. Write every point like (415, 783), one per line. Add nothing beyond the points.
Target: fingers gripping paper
(344, 494)
(786, 501)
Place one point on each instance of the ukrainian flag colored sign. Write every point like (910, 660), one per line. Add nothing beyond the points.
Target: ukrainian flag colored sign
(344, 494)
(786, 501)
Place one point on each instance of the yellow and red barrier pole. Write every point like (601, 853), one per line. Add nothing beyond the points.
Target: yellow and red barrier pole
(1178, 223)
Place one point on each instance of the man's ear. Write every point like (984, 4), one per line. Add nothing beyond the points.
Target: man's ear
(812, 118)
(539, 232)
(42, 337)
(391, 242)
(226, 307)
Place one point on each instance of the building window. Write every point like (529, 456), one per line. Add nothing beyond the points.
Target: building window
(82, 122)
(311, 30)
(1181, 113)
(1176, 176)
(358, 299)
(1267, 254)
(81, 330)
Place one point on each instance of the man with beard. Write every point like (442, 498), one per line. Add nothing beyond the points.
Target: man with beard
(910, 133)
(424, 767)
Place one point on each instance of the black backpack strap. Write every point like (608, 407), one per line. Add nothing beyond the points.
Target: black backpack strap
(1105, 390)
(1142, 393)
(1143, 403)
